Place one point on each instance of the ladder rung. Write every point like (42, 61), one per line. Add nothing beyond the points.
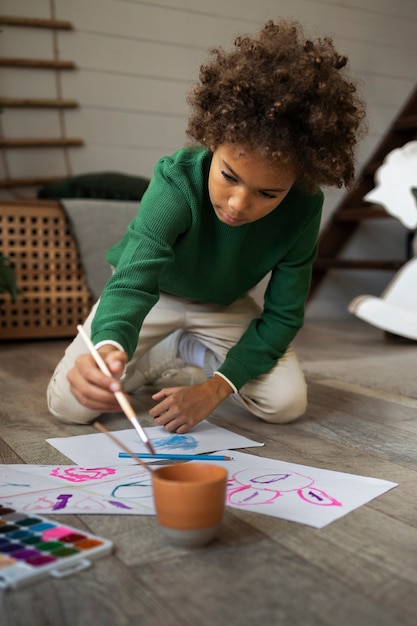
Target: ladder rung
(407, 122)
(358, 214)
(9, 183)
(357, 264)
(38, 103)
(43, 64)
(35, 22)
(40, 143)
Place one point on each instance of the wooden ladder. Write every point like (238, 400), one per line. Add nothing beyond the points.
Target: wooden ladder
(352, 209)
(58, 104)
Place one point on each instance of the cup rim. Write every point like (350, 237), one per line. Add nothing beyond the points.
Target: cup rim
(220, 473)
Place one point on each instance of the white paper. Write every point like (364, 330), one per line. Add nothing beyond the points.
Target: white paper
(98, 449)
(298, 493)
(67, 489)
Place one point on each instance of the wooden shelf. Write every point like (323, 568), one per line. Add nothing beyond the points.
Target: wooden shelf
(42, 64)
(33, 22)
(40, 143)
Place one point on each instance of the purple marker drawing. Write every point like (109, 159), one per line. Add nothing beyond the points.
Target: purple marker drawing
(317, 496)
(62, 501)
(119, 505)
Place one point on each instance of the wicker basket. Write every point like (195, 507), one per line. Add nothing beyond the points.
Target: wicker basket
(54, 294)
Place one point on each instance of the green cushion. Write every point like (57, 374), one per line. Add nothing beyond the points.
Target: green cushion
(106, 185)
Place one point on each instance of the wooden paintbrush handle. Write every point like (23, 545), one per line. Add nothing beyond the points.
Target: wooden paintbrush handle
(125, 404)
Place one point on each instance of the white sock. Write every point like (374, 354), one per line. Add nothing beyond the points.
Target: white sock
(191, 351)
(211, 363)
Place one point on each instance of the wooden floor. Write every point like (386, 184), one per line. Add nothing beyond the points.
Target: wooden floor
(360, 570)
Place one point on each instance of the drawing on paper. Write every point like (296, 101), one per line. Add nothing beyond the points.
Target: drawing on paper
(176, 442)
(96, 450)
(136, 489)
(87, 490)
(254, 487)
(292, 492)
(82, 474)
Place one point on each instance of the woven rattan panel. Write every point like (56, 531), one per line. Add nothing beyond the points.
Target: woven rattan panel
(54, 294)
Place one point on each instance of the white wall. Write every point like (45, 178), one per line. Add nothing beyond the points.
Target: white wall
(136, 61)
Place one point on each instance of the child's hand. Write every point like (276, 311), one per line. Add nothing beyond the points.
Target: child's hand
(91, 387)
(181, 408)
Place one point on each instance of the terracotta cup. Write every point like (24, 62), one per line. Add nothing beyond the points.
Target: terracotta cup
(189, 500)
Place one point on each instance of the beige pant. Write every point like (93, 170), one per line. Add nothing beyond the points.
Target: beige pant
(278, 396)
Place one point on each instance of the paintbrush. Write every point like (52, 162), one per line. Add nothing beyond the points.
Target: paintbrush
(121, 445)
(120, 396)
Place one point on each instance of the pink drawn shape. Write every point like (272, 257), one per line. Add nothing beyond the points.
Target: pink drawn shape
(247, 488)
(82, 474)
(40, 504)
(317, 496)
(86, 504)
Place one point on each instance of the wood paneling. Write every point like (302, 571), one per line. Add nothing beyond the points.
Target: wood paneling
(136, 61)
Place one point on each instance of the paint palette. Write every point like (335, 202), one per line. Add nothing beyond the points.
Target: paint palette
(33, 547)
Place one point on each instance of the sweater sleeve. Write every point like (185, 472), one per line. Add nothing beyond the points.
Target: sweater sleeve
(268, 337)
(140, 258)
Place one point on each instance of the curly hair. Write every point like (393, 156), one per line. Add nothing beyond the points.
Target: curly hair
(287, 98)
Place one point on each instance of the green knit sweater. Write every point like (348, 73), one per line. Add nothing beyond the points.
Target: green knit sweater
(177, 244)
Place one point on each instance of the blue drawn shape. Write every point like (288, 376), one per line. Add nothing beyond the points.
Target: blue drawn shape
(176, 442)
(15, 485)
(133, 490)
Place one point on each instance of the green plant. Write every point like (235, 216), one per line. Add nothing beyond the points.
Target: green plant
(8, 278)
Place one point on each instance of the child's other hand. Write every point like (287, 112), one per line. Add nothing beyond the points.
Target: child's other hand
(179, 409)
(91, 387)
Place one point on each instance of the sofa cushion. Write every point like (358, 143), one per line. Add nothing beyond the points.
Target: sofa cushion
(105, 185)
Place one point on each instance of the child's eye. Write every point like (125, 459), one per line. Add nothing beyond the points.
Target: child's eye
(228, 177)
(271, 196)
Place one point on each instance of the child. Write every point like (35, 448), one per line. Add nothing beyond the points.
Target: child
(272, 120)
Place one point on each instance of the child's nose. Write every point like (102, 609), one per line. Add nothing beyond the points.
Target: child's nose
(239, 202)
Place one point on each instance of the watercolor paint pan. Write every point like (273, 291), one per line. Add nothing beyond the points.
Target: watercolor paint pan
(33, 547)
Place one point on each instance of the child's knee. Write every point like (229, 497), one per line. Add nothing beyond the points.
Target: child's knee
(287, 404)
(288, 409)
(63, 405)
